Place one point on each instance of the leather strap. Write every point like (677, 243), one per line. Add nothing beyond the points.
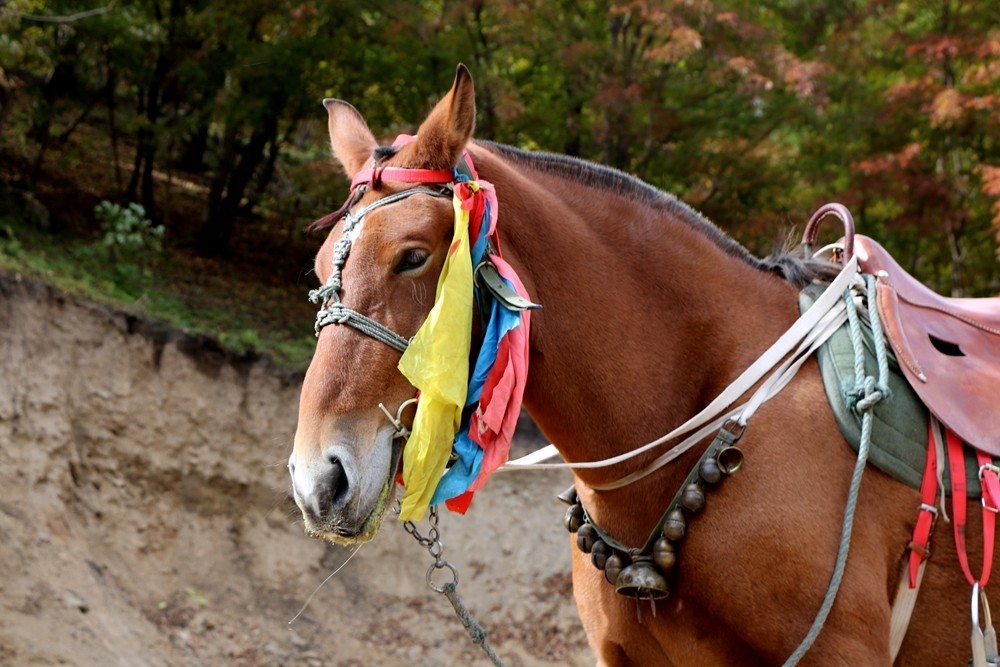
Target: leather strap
(991, 493)
(822, 316)
(919, 544)
(375, 176)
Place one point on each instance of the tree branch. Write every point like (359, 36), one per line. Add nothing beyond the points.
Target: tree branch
(70, 18)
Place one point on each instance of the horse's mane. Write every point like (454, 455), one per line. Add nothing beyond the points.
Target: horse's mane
(795, 270)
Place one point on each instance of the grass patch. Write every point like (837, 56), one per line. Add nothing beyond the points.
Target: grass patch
(195, 294)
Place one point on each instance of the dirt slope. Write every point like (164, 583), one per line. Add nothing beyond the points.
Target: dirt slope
(145, 519)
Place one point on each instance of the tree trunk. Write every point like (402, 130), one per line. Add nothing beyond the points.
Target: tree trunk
(111, 82)
(210, 239)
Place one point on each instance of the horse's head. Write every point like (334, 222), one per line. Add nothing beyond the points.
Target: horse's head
(346, 454)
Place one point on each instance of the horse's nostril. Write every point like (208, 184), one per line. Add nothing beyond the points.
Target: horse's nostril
(337, 486)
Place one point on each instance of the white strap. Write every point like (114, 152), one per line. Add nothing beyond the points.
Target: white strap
(770, 388)
(902, 609)
(815, 317)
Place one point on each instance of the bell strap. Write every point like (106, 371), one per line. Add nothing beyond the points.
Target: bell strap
(991, 494)
(729, 433)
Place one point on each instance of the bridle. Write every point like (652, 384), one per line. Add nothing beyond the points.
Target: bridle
(332, 310)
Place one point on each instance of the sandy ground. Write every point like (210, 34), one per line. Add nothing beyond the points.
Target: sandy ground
(145, 519)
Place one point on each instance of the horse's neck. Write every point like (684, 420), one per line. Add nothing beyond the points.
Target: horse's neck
(645, 319)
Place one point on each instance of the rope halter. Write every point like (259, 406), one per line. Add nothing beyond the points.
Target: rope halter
(332, 310)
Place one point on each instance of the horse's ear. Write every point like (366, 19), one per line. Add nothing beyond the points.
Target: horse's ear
(443, 136)
(351, 140)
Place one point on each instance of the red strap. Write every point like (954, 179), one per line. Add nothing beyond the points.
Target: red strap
(928, 513)
(990, 484)
(991, 493)
(402, 175)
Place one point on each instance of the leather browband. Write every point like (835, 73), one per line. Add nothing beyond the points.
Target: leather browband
(402, 175)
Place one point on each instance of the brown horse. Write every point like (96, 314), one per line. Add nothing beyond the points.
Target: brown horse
(649, 311)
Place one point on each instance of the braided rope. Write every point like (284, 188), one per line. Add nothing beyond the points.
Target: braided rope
(332, 310)
(477, 633)
(870, 392)
(338, 313)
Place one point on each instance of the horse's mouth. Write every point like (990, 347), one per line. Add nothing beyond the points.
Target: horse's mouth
(373, 522)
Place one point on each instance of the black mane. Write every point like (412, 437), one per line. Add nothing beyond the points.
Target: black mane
(795, 270)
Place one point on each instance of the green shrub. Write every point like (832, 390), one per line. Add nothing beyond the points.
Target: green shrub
(129, 240)
(127, 231)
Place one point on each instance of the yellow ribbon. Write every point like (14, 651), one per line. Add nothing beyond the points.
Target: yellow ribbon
(437, 363)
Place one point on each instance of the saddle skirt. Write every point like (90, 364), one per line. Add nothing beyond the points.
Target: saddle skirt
(899, 424)
(948, 348)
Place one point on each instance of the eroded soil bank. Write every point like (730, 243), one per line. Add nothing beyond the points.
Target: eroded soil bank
(145, 518)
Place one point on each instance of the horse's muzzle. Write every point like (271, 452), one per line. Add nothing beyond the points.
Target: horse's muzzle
(337, 503)
(323, 492)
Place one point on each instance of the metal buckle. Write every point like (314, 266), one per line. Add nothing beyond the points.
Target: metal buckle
(734, 428)
(988, 466)
(996, 472)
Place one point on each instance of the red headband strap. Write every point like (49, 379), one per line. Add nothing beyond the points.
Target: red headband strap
(402, 175)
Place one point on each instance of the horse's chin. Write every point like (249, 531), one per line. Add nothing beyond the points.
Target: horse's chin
(373, 522)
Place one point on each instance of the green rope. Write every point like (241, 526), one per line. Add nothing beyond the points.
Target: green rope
(870, 392)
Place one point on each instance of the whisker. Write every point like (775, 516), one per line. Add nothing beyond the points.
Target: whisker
(323, 583)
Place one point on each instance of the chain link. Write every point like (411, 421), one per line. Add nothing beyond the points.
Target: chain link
(435, 547)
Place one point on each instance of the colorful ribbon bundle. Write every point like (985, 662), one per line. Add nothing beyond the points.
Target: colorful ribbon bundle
(473, 414)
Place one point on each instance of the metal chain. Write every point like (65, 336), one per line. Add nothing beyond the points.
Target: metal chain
(435, 547)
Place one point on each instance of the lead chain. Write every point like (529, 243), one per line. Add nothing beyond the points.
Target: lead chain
(435, 547)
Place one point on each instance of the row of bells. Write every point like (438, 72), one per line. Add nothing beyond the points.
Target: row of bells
(644, 576)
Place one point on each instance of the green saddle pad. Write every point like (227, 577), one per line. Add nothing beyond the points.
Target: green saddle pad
(899, 423)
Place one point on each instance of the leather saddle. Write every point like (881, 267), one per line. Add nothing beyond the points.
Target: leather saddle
(948, 348)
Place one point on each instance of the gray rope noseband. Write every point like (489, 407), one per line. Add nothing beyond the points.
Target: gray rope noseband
(332, 310)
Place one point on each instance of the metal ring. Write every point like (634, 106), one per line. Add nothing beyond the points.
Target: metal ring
(988, 467)
(440, 565)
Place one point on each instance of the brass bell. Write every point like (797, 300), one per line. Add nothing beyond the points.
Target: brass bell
(574, 518)
(730, 459)
(586, 535)
(664, 555)
(614, 565)
(709, 471)
(693, 498)
(643, 581)
(675, 526)
(599, 554)
(568, 496)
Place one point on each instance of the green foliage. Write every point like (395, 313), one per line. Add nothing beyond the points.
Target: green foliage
(127, 231)
(754, 112)
(10, 245)
(128, 239)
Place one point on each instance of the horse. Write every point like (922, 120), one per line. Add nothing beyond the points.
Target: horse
(649, 311)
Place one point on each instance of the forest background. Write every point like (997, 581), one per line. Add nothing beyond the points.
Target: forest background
(206, 114)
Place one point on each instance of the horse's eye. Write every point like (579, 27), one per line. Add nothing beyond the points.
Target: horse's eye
(413, 258)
